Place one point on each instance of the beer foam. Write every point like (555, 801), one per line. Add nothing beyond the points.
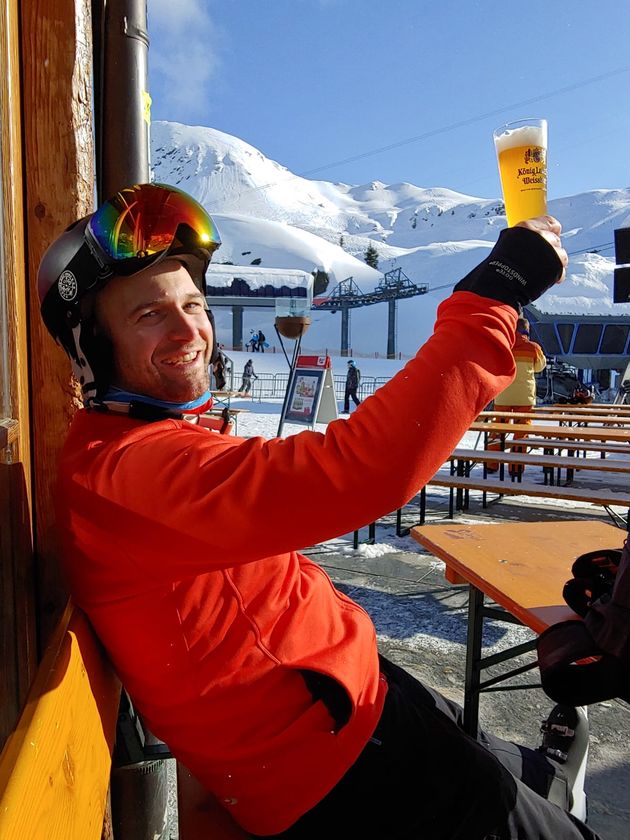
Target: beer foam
(527, 135)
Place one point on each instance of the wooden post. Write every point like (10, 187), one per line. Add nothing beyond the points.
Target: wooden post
(17, 628)
(59, 169)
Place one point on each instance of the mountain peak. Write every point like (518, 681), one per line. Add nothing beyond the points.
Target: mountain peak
(436, 235)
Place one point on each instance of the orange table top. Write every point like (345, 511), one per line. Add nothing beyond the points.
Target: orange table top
(522, 566)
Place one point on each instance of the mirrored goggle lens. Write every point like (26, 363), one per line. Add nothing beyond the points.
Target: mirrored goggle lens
(144, 220)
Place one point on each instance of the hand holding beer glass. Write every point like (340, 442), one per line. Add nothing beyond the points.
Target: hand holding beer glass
(522, 154)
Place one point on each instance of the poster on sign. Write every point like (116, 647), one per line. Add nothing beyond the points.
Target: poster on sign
(312, 395)
(304, 397)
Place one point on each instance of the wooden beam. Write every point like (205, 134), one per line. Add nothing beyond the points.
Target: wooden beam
(58, 142)
(17, 624)
(12, 209)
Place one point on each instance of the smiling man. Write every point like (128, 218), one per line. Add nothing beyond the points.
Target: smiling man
(181, 544)
(160, 332)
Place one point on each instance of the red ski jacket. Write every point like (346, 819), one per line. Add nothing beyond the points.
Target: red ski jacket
(181, 546)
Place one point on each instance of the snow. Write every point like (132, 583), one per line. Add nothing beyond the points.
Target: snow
(273, 363)
(265, 212)
(222, 275)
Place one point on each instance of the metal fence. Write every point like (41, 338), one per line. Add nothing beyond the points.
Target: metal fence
(274, 386)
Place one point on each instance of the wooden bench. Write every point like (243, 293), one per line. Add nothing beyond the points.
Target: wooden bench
(610, 434)
(218, 411)
(55, 766)
(548, 463)
(604, 409)
(569, 445)
(224, 394)
(560, 417)
(604, 497)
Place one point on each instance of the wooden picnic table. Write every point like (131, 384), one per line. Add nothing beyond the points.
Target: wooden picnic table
(589, 408)
(606, 433)
(522, 567)
(219, 409)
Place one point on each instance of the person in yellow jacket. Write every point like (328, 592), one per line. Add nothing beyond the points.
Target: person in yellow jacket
(520, 395)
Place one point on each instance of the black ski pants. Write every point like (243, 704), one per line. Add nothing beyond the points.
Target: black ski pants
(350, 392)
(420, 777)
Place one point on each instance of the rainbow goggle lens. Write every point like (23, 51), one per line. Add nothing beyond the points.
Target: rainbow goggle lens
(149, 219)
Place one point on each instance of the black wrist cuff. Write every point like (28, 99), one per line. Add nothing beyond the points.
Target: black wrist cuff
(520, 267)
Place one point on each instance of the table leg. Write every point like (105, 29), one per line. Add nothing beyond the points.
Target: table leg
(459, 499)
(473, 658)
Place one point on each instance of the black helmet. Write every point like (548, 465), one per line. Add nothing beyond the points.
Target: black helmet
(140, 226)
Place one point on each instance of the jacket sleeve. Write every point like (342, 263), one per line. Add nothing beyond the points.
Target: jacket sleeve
(540, 362)
(274, 496)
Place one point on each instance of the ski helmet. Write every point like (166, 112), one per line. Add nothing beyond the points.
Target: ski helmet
(139, 227)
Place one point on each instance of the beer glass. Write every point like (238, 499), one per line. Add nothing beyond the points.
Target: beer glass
(522, 154)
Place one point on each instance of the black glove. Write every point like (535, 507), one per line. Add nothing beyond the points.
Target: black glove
(520, 267)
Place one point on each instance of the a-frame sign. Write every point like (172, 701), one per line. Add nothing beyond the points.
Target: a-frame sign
(312, 393)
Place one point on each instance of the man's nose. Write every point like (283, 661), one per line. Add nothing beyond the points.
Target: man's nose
(182, 326)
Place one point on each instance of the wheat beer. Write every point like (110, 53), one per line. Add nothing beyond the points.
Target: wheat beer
(522, 153)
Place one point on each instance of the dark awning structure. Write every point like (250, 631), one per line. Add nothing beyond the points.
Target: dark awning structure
(599, 342)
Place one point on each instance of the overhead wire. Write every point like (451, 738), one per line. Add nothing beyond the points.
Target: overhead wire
(435, 132)
(470, 121)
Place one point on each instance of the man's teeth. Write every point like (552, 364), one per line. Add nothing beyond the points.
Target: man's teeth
(181, 360)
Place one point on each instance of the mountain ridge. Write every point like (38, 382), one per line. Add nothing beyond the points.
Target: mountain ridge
(434, 234)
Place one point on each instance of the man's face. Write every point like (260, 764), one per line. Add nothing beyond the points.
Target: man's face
(160, 333)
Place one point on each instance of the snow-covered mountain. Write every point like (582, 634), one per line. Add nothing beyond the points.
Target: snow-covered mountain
(266, 213)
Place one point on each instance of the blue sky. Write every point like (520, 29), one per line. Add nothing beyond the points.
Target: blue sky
(316, 82)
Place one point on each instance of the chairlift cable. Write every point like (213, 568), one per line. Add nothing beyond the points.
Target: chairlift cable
(435, 132)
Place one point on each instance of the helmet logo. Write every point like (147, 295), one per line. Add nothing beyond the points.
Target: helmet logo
(67, 285)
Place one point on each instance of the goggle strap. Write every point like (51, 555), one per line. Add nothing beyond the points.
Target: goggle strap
(82, 273)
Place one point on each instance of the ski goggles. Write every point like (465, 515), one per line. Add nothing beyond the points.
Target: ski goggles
(150, 220)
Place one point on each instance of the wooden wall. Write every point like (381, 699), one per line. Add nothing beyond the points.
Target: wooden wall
(56, 63)
(47, 180)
